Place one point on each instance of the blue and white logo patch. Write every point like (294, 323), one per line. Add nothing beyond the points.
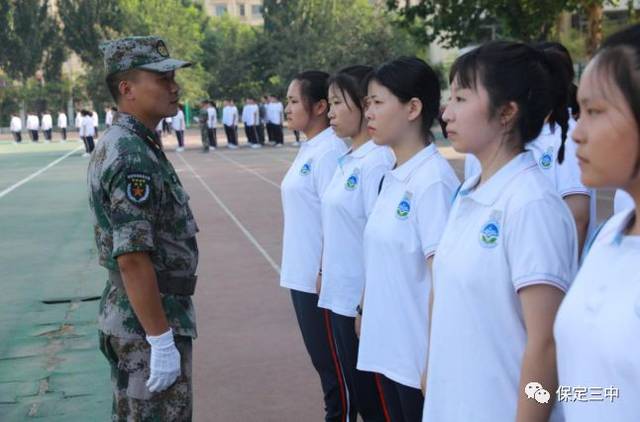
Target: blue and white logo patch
(547, 159)
(138, 188)
(490, 232)
(404, 207)
(306, 168)
(352, 181)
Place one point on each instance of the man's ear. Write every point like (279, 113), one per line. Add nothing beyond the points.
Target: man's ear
(125, 87)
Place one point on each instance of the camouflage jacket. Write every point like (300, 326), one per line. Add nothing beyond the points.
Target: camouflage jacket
(138, 204)
(203, 116)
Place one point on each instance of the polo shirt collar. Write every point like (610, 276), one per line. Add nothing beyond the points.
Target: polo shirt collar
(130, 123)
(363, 150)
(320, 137)
(490, 191)
(404, 171)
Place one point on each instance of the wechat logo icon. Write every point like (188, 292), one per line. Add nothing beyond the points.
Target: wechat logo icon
(534, 391)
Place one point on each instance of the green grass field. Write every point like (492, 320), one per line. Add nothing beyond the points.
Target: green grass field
(50, 366)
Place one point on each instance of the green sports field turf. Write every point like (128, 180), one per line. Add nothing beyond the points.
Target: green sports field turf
(50, 366)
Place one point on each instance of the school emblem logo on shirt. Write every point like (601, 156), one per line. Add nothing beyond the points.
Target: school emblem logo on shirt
(352, 181)
(490, 232)
(138, 188)
(306, 168)
(404, 207)
(547, 159)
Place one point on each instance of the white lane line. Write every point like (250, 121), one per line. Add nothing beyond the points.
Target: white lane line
(249, 170)
(231, 215)
(37, 173)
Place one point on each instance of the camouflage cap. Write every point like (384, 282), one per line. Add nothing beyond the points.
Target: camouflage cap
(148, 53)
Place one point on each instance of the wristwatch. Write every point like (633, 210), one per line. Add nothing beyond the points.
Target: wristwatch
(359, 310)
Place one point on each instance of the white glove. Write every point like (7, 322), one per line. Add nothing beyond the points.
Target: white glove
(165, 362)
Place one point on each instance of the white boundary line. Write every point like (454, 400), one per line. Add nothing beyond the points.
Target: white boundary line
(249, 170)
(242, 228)
(37, 173)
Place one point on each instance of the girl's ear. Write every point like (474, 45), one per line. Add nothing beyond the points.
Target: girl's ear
(320, 108)
(508, 114)
(415, 109)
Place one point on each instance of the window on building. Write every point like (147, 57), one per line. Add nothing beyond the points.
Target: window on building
(241, 11)
(256, 10)
(221, 9)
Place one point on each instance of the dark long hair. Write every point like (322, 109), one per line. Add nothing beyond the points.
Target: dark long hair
(511, 71)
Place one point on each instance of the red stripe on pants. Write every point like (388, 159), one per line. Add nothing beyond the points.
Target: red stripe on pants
(334, 355)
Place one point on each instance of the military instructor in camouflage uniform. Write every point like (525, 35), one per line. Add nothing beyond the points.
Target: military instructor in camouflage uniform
(145, 234)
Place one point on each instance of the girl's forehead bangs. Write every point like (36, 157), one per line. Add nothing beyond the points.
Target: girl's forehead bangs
(465, 71)
(606, 66)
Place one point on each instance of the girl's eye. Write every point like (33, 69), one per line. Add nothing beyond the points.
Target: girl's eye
(592, 112)
(459, 99)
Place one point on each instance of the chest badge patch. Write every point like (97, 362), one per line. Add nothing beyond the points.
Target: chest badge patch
(547, 159)
(138, 187)
(490, 232)
(306, 168)
(352, 181)
(404, 207)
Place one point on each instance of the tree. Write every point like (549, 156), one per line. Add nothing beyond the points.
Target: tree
(30, 39)
(456, 23)
(182, 24)
(231, 57)
(327, 35)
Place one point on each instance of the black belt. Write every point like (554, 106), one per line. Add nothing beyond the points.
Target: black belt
(167, 284)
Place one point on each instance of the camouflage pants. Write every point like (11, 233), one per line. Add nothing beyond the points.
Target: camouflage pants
(132, 401)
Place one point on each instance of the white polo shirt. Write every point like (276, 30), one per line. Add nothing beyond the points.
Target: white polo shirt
(87, 128)
(274, 113)
(62, 121)
(302, 188)
(622, 201)
(32, 122)
(403, 230)
(346, 205)
(250, 115)
(564, 177)
(47, 122)
(94, 119)
(511, 232)
(177, 122)
(16, 124)
(78, 120)
(596, 330)
(108, 118)
(212, 117)
(229, 116)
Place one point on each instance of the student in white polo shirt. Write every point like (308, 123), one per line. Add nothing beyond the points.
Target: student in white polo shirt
(62, 124)
(275, 115)
(33, 125)
(597, 326)
(47, 126)
(16, 128)
(402, 232)
(509, 249)
(302, 187)
(212, 122)
(230, 122)
(250, 121)
(555, 151)
(346, 205)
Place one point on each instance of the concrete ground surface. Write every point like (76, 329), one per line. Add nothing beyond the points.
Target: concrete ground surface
(250, 362)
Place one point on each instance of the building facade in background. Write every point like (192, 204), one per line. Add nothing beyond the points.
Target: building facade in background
(248, 11)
